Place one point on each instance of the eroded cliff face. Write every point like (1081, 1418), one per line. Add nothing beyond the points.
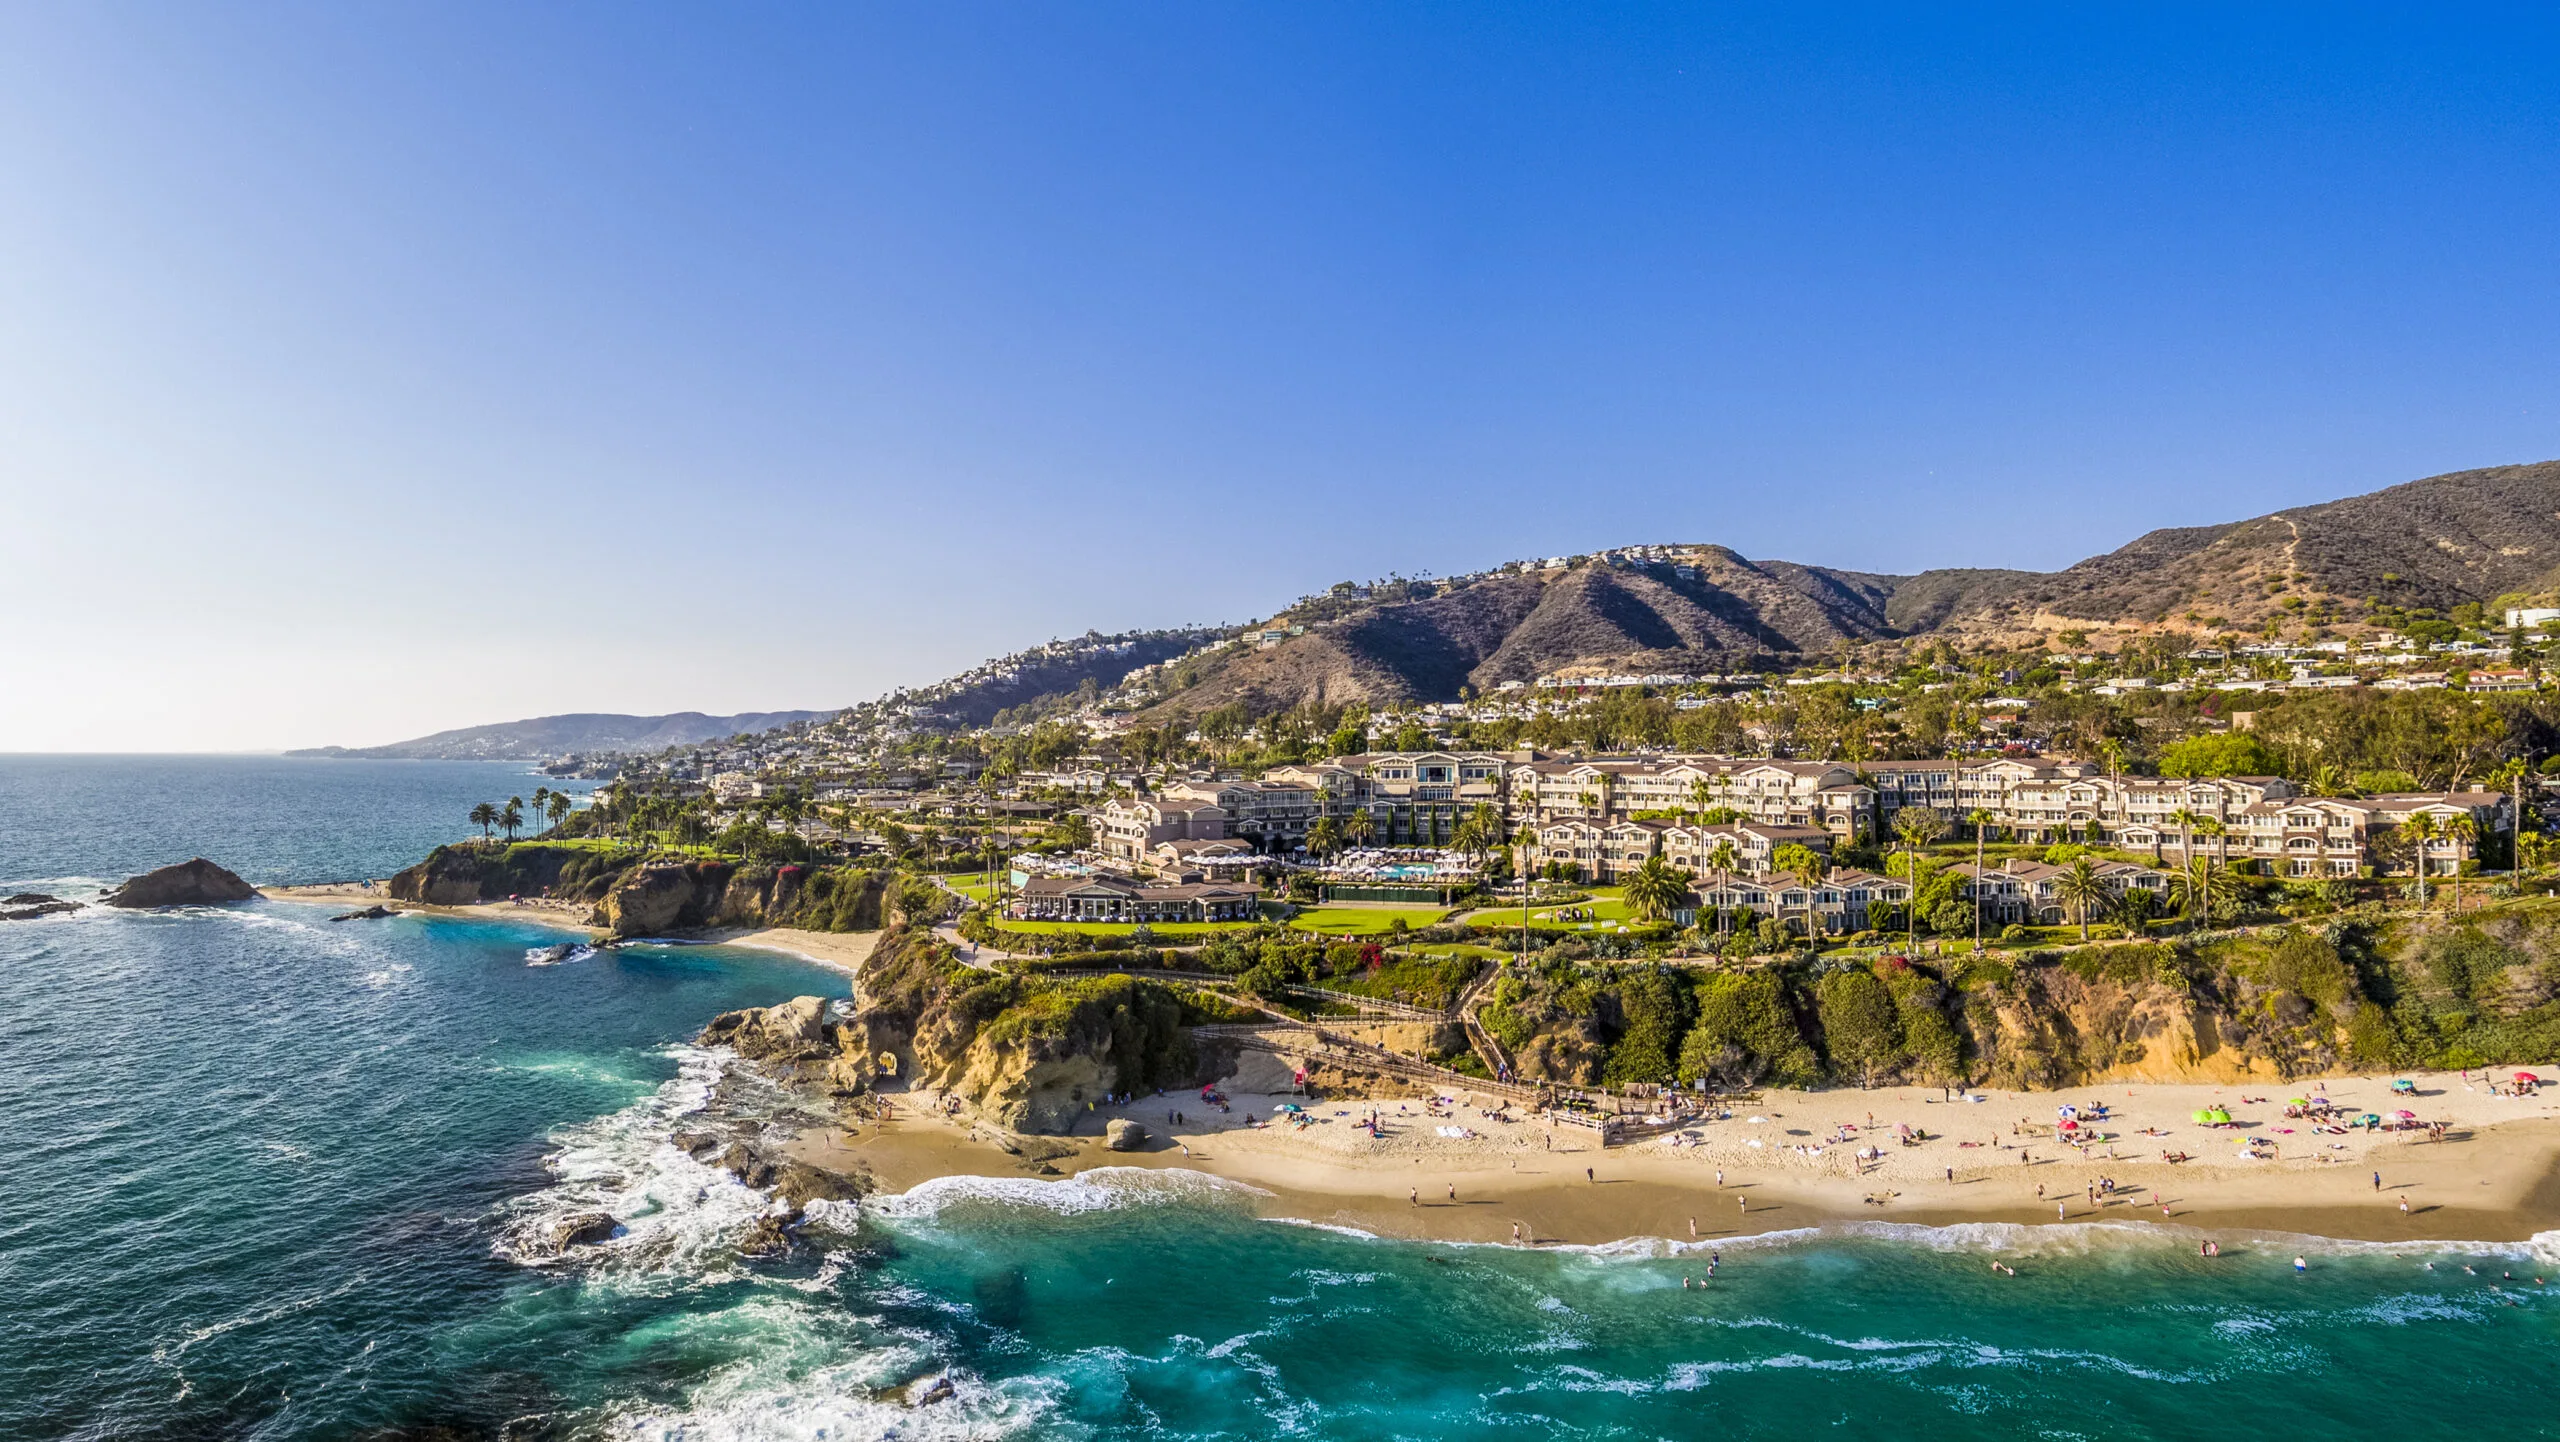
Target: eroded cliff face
(1026, 1053)
(660, 897)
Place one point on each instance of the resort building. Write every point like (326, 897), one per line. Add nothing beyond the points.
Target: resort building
(1107, 897)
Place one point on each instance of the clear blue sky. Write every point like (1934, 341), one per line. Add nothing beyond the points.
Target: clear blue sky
(371, 369)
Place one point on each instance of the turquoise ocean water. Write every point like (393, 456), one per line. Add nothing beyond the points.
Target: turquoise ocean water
(264, 1176)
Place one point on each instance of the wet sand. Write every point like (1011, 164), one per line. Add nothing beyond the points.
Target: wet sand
(2497, 1177)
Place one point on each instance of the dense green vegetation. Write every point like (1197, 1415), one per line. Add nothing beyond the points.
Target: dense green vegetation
(2417, 992)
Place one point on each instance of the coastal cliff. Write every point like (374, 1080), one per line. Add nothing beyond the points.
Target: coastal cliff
(635, 895)
(2263, 1006)
(1025, 1052)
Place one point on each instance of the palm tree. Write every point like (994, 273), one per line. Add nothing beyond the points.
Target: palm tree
(1655, 889)
(559, 808)
(484, 816)
(1701, 796)
(1981, 821)
(541, 801)
(2082, 890)
(1917, 826)
(1722, 861)
(2186, 821)
(1324, 838)
(1358, 826)
(513, 816)
(1811, 869)
(2419, 830)
(2462, 831)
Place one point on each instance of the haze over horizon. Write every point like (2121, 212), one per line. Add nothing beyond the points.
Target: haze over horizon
(365, 374)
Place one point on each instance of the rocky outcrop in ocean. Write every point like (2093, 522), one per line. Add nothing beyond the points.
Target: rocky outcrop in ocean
(189, 883)
(28, 905)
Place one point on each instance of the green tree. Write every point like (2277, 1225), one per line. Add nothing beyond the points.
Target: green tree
(2463, 832)
(1917, 826)
(1746, 1031)
(1324, 838)
(559, 806)
(2227, 753)
(2417, 832)
(1655, 889)
(1655, 1008)
(484, 816)
(512, 817)
(2083, 891)
(1859, 1024)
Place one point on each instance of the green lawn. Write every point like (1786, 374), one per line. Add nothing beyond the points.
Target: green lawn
(974, 890)
(1364, 920)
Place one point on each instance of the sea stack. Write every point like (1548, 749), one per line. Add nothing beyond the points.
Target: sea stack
(189, 883)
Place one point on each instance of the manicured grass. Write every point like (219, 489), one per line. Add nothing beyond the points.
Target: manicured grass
(974, 890)
(1363, 920)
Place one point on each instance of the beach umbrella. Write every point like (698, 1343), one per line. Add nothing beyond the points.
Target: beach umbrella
(2299, 1102)
(2528, 1078)
(2406, 1116)
(2220, 1116)
(2066, 1113)
(2204, 1114)
(2368, 1119)
(2070, 1126)
(2404, 1085)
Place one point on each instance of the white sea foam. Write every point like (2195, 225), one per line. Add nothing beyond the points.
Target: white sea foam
(560, 954)
(677, 1213)
(1098, 1189)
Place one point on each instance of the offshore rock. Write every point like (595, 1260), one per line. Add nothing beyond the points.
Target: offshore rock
(793, 1031)
(189, 883)
(28, 905)
(583, 1230)
(370, 913)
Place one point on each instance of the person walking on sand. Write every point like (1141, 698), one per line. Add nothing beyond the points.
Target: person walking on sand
(2404, 1206)
(2377, 1181)
(1413, 1195)
(1515, 1234)
(1719, 1179)
(1746, 1204)
(1453, 1191)
(1589, 1177)
(1693, 1229)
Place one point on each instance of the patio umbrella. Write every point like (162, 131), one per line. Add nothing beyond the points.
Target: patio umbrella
(2528, 1078)
(2066, 1113)
(2070, 1126)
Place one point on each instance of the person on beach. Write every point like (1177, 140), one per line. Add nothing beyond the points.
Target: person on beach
(2300, 1265)
(1588, 1176)
(1693, 1229)
(2057, 1210)
(1746, 1203)
(1414, 1195)
(1515, 1234)
(1453, 1191)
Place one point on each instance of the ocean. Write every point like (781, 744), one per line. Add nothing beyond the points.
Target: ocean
(268, 1176)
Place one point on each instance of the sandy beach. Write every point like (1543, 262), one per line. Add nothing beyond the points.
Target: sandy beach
(2495, 1176)
(837, 951)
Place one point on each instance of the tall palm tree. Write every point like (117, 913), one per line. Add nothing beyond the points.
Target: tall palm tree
(1701, 796)
(1917, 826)
(513, 816)
(2082, 890)
(1358, 826)
(2462, 831)
(1655, 889)
(2420, 829)
(484, 816)
(559, 808)
(1324, 838)
(1811, 869)
(1981, 821)
(1722, 861)
(541, 801)
(2186, 820)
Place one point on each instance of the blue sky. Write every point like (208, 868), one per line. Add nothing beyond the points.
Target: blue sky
(366, 370)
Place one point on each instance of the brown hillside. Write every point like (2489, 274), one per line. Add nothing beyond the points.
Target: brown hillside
(2439, 542)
